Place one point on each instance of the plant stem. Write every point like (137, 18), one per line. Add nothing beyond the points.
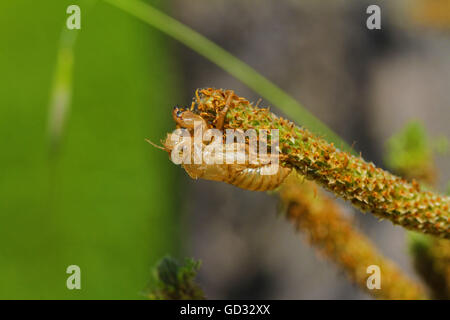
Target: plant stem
(363, 184)
(329, 231)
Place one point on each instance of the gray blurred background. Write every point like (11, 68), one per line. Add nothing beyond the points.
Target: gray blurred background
(364, 84)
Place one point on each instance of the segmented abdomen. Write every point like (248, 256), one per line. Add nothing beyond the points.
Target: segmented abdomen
(252, 179)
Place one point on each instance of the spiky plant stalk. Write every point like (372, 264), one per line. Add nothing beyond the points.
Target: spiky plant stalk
(363, 184)
(329, 231)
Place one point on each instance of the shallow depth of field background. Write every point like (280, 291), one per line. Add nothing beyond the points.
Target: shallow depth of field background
(107, 201)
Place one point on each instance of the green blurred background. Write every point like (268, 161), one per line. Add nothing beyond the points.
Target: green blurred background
(99, 198)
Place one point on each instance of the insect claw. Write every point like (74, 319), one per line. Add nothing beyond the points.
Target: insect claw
(194, 107)
(221, 118)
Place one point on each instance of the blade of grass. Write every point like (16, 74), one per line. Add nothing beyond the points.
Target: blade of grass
(230, 64)
(61, 90)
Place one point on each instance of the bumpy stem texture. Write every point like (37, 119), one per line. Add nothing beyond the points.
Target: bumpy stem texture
(329, 231)
(363, 184)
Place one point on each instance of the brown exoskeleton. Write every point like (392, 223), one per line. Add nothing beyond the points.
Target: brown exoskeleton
(256, 176)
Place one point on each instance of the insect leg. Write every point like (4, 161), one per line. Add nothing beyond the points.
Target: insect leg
(223, 112)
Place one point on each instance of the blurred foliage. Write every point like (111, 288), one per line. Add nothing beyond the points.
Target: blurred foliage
(409, 148)
(410, 152)
(334, 235)
(175, 281)
(432, 261)
(103, 199)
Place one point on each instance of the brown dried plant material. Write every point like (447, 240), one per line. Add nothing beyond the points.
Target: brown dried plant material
(329, 231)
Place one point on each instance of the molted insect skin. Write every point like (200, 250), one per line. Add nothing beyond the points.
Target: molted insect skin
(186, 119)
(242, 176)
(245, 176)
(252, 179)
(255, 177)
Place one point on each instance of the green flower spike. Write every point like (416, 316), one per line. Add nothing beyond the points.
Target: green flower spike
(363, 184)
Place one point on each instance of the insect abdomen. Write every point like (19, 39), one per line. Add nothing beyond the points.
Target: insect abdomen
(252, 179)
